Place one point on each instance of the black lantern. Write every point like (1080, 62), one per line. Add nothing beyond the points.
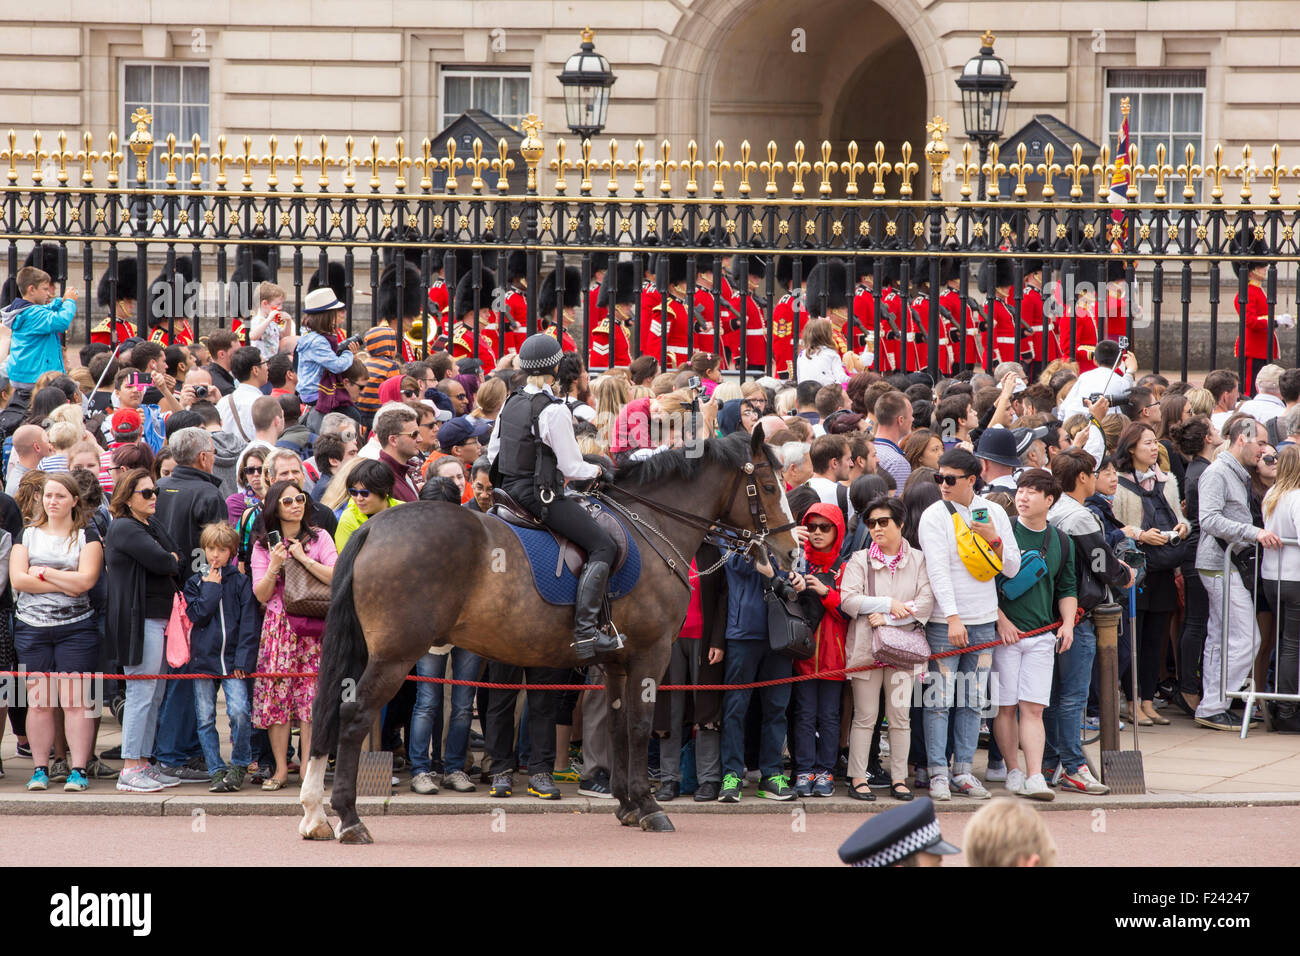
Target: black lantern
(984, 84)
(586, 80)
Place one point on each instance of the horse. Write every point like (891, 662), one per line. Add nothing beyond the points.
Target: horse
(431, 573)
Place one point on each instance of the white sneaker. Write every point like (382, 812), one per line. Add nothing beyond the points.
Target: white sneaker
(1015, 781)
(966, 785)
(1083, 782)
(995, 774)
(939, 789)
(424, 783)
(1036, 788)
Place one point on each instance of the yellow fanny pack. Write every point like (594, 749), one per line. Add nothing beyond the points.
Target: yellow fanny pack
(976, 554)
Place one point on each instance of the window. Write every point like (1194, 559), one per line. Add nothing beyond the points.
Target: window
(177, 96)
(503, 94)
(1168, 106)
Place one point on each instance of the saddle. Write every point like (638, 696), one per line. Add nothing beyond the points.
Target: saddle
(570, 555)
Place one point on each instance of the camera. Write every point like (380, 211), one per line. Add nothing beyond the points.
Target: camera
(349, 340)
(200, 392)
(693, 382)
(1174, 537)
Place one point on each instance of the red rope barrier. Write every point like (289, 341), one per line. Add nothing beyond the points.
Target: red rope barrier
(275, 675)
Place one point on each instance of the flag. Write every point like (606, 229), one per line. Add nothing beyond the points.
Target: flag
(1119, 180)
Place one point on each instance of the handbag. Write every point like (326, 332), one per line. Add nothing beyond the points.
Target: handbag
(305, 595)
(789, 632)
(177, 633)
(902, 646)
(1156, 513)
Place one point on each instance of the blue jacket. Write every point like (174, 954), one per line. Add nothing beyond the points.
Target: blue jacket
(316, 355)
(212, 649)
(35, 348)
(746, 609)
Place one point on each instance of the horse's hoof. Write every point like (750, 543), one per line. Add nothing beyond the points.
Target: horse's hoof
(321, 831)
(356, 835)
(657, 822)
(627, 817)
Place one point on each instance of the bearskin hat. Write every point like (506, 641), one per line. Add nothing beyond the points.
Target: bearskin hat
(620, 282)
(167, 299)
(1245, 245)
(335, 278)
(128, 277)
(387, 305)
(830, 278)
(546, 296)
(464, 300)
(241, 293)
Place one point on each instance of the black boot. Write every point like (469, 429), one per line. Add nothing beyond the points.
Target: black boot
(588, 639)
(1286, 718)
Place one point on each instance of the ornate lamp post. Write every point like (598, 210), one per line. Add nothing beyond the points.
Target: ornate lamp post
(586, 80)
(984, 84)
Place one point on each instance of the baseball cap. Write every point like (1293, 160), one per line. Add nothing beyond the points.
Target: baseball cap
(468, 365)
(457, 432)
(1026, 437)
(126, 422)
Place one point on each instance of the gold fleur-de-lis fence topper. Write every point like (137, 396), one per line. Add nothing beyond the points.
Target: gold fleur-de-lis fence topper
(39, 161)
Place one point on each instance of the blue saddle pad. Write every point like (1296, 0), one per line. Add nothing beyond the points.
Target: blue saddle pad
(544, 555)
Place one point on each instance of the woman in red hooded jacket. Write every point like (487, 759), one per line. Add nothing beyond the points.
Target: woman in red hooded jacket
(817, 701)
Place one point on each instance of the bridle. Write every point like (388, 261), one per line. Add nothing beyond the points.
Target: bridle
(729, 538)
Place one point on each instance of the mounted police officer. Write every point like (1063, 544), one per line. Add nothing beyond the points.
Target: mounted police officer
(534, 450)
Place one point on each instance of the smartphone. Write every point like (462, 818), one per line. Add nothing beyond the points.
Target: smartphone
(980, 515)
(273, 538)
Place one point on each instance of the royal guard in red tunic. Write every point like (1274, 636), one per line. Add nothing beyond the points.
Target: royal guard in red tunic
(439, 295)
(462, 344)
(789, 312)
(667, 319)
(118, 325)
(753, 329)
(1082, 318)
(1118, 305)
(389, 307)
(548, 303)
(1259, 350)
(921, 316)
(172, 298)
(706, 315)
(1031, 314)
(1004, 320)
(891, 326)
(617, 293)
(969, 344)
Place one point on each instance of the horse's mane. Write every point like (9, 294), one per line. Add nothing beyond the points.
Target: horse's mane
(683, 464)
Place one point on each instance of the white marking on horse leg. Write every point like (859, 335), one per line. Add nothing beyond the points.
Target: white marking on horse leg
(615, 704)
(314, 825)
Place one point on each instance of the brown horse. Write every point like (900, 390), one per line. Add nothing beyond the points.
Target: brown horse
(432, 573)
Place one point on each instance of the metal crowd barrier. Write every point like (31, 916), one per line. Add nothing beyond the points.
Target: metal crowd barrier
(1250, 693)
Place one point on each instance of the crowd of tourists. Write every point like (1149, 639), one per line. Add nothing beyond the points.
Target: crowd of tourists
(167, 495)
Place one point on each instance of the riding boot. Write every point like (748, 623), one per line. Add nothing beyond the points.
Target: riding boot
(588, 639)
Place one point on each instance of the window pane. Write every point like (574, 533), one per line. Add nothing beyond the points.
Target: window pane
(456, 96)
(166, 119)
(515, 100)
(1187, 112)
(1147, 149)
(194, 84)
(136, 85)
(487, 94)
(1154, 115)
(195, 121)
(1180, 148)
(167, 84)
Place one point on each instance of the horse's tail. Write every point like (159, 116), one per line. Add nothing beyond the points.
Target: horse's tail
(343, 652)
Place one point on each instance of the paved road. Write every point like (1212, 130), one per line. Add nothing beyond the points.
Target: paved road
(1147, 838)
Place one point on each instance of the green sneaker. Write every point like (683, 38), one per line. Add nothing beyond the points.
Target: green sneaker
(776, 788)
(217, 782)
(730, 789)
(235, 776)
(566, 776)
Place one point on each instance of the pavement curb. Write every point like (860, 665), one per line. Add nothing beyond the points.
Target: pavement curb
(61, 804)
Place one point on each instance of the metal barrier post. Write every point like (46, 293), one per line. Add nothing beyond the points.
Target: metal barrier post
(1105, 618)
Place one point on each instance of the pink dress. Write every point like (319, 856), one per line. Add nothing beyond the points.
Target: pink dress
(284, 650)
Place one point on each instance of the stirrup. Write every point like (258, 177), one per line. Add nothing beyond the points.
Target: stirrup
(589, 648)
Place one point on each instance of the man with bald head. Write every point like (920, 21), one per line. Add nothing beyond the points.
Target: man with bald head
(198, 388)
(30, 446)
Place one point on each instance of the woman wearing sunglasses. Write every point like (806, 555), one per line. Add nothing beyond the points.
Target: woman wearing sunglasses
(885, 584)
(370, 491)
(142, 563)
(1263, 476)
(1280, 579)
(290, 644)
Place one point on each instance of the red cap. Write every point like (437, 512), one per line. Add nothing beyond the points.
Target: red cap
(126, 422)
